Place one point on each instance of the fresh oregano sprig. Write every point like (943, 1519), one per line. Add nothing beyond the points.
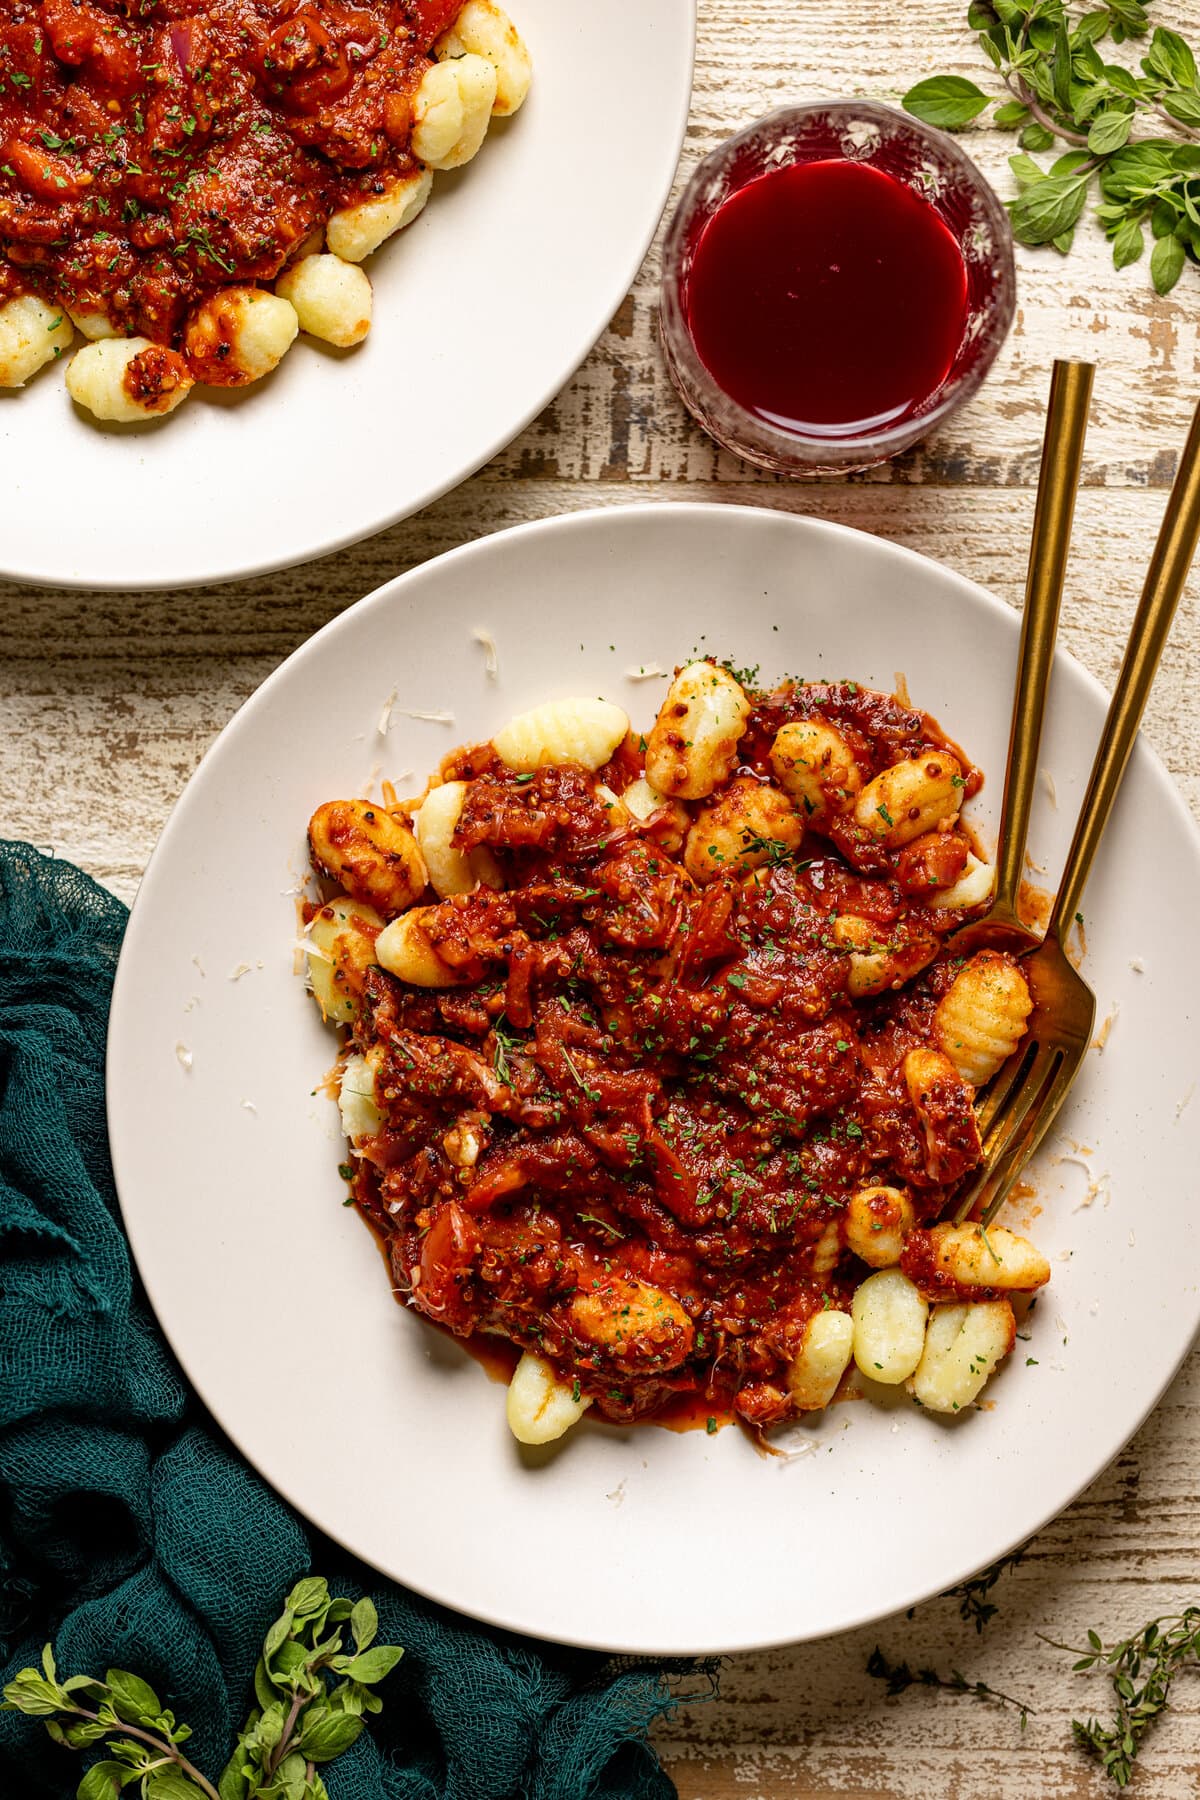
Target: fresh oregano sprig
(1059, 88)
(1141, 1669)
(311, 1695)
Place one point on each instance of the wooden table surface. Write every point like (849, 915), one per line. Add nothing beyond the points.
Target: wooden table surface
(108, 702)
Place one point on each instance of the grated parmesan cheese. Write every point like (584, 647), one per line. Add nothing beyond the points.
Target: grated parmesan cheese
(491, 656)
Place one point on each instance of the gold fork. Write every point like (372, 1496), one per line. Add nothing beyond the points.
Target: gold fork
(1024, 1098)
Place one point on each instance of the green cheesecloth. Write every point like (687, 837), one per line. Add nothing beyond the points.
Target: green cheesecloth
(133, 1535)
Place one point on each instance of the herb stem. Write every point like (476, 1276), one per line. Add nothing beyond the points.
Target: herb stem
(173, 1752)
(285, 1746)
(1046, 120)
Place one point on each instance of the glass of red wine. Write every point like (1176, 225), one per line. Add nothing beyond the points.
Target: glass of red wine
(837, 279)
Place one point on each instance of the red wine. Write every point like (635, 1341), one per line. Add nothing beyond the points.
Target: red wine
(828, 298)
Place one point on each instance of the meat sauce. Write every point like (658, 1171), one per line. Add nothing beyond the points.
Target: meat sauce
(620, 1142)
(152, 151)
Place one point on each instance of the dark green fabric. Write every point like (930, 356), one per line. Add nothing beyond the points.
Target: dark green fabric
(132, 1534)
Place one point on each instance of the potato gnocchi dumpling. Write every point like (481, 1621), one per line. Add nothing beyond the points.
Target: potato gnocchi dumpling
(972, 888)
(404, 949)
(484, 29)
(357, 1098)
(964, 1345)
(889, 1314)
(981, 1018)
(672, 819)
(451, 871)
(880, 956)
(816, 766)
(127, 381)
(341, 948)
(332, 298)
(823, 1358)
(693, 745)
(747, 824)
(355, 232)
(239, 335)
(660, 1063)
(876, 1223)
(540, 1407)
(970, 1256)
(32, 334)
(911, 797)
(579, 731)
(452, 110)
(372, 855)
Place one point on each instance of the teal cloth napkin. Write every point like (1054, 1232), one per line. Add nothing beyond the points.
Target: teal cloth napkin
(133, 1535)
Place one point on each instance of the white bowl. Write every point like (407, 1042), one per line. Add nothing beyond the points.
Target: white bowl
(275, 1298)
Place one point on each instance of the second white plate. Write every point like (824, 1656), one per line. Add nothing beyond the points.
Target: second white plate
(483, 309)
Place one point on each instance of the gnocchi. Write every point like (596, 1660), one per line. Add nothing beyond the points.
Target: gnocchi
(579, 731)
(405, 949)
(452, 109)
(375, 858)
(357, 1098)
(967, 1256)
(332, 298)
(823, 1358)
(981, 1017)
(355, 232)
(126, 381)
(238, 335)
(644, 803)
(879, 957)
(964, 1345)
(540, 1407)
(484, 29)
(693, 745)
(450, 871)
(816, 766)
(876, 1223)
(341, 948)
(911, 797)
(32, 334)
(748, 824)
(889, 1314)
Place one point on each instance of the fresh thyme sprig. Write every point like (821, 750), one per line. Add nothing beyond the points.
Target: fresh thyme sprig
(900, 1676)
(304, 1716)
(1141, 1669)
(973, 1605)
(1058, 87)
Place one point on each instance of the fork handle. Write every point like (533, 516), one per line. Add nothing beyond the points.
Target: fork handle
(1062, 456)
(1165, 580)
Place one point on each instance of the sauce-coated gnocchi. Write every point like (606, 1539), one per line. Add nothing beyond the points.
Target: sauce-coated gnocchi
(660, 1062)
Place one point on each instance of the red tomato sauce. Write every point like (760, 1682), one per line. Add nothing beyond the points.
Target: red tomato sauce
(152, 151)
(621, 1140)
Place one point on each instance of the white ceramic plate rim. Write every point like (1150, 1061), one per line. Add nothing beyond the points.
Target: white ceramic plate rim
(656, 180)
(512, 1618)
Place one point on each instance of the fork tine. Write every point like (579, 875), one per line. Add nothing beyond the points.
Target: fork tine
(1002, 1084)
(1002, 1164)
(1018, 1155)
(1021, 1096)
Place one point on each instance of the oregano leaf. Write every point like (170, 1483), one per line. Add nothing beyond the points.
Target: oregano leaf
(1128, 244)
(103, 1781)
(1047, 209)
(949, 101)
(1166, 263)
(1108, 131)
